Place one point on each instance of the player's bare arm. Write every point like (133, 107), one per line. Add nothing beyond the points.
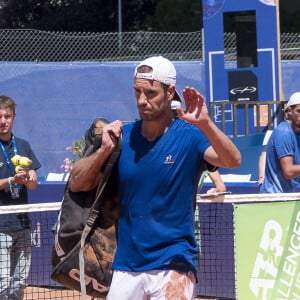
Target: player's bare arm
(86, 172)
(223, 152)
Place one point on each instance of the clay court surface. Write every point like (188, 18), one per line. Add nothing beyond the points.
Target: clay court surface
(39, 293)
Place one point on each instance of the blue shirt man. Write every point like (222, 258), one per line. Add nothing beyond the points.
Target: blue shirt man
(282, 172)
(158, 172)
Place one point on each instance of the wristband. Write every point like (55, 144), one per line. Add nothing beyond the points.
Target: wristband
(260, 177)
(9, 182)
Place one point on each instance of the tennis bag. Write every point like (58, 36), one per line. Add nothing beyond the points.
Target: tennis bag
(85, 236)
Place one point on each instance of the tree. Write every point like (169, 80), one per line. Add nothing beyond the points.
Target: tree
(176, 16)
(71, 15)
(289, 21)
(75, 15)
(137, 15)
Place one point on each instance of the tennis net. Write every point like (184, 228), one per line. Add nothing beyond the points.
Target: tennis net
(42, 218)
(214, 232)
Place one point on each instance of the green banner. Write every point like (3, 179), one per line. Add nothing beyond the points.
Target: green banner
(267, 250)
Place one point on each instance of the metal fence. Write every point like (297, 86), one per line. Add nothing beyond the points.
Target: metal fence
(263, 115)
(36, 45)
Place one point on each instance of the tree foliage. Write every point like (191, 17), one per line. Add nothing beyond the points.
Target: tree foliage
(75, 15)
(176, 16)
(72, 15)
(102, 15)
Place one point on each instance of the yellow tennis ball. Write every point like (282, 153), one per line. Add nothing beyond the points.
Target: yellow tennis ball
(25, 162)
(15, 160)
(17, 169)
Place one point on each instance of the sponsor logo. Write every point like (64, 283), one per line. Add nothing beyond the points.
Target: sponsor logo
(169, 160)
(243, 90)
(267, 260)
(75, 274)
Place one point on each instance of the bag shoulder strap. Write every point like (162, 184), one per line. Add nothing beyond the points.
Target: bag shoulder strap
(106, 173)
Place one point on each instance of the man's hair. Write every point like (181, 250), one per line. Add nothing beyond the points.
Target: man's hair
(7, 102)
(147, 69)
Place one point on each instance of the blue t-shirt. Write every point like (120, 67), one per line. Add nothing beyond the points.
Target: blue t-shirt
(14, 222)
(283, 142)
(157, 185)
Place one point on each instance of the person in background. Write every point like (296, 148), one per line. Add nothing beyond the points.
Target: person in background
(262, 158)
(282, 173)
(15, 232)
(158, 173)
(95, 131)
(219, 185)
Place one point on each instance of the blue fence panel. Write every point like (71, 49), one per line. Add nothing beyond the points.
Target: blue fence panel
(56, 102)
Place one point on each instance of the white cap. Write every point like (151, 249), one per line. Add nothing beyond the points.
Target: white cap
(162, 70)
(294, 100)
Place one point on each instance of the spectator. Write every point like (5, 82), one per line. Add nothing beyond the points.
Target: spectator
(15, 232)
(283, 153)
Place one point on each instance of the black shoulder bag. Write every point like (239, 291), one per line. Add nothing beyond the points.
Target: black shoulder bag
(85, 237)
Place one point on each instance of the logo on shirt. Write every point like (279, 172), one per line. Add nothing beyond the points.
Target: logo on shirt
(169, 160)
(1, 164)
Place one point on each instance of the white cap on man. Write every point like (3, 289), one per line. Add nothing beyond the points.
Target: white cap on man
(294, 100)
(163, 71)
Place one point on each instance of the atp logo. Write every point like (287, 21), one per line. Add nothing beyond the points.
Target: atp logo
(267, 260)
